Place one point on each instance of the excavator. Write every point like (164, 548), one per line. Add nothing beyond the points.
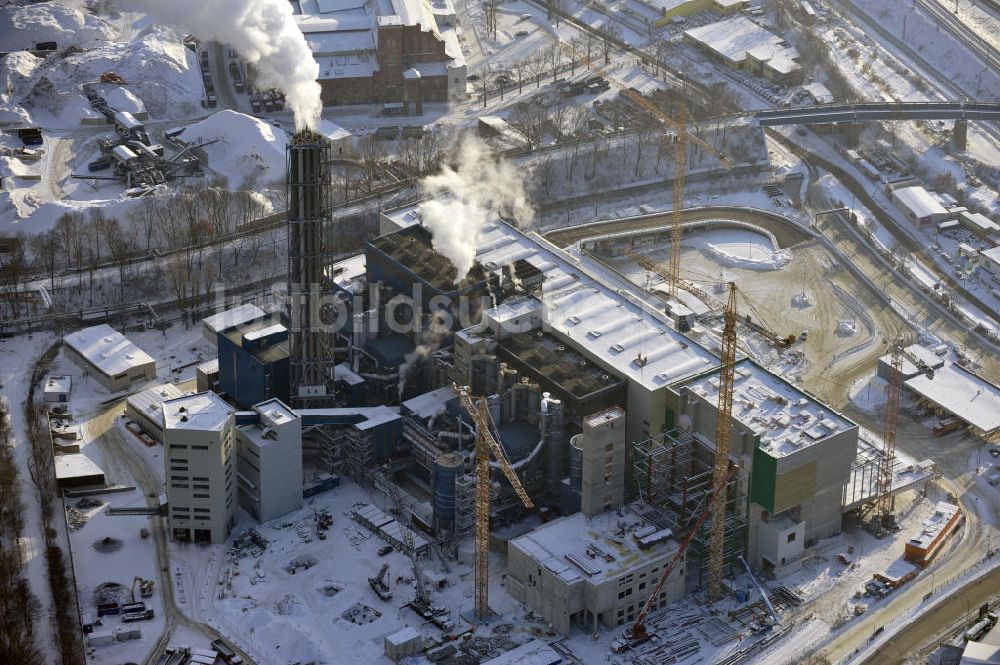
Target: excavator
(145, 587)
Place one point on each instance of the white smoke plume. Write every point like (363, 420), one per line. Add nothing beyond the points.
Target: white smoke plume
(265, 35)
(480, 188)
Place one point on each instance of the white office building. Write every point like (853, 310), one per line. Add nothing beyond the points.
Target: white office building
(200, 461)
(269, 461)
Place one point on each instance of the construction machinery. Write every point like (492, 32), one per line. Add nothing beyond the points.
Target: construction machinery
(754, 322)
(380, 583)
(636, 634)
(724, 426)
(761, 626)
(486, 445)
(145, 587)
(421, 601)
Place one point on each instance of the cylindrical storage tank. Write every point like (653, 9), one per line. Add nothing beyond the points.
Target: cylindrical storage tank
(447, 467)
(575, 464)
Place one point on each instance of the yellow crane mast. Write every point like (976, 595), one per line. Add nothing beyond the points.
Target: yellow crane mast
(486, 446)
(724, 426)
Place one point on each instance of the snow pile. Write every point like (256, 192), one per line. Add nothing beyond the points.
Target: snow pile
(847, 327)
(869, 394)
(162, 78)
(247, 147)
(122, 98)
(745, 249)
(21, 28)
(265, 34)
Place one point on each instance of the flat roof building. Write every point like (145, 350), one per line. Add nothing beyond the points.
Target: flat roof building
(146, 407)
(742, 44)
(590, 572)
(933, 533)
(57, 388)
(107, 355)
(224, 321)
(960, 392)
(76, 470)
(919, 205)
(269, 460)
(200, 467)
(797, 452)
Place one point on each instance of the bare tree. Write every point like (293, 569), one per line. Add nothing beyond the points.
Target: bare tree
(45, 249)
(609, 33)
(530, 120)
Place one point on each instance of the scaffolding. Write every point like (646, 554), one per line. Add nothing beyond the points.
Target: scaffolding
(465, 516)
(672, 473)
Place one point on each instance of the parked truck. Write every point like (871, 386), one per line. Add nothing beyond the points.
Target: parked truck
(227, 652)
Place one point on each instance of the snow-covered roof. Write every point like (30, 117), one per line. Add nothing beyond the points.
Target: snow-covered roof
(819, 92)
(431, 403)
(231, 318)
(919, 201)
(334, 132)
(980, 653)
(734, 37)
(980, 222)
(403, 636)
(992, 254)
(961, 393)
(107, 349)
(353, 66)
(786, 418)
(614, 321)
(561, 546)
(75, 465)
(341, 42)
(343, 372)
(201, 412)
(58, 384)
(535, 652)
(931, 527)
(917, 353)
(149, 402)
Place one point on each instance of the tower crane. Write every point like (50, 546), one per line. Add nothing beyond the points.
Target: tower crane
(486, 445)
(756, 324)
(724, 426)
(885, 501)
(636, 633)
(679, 125)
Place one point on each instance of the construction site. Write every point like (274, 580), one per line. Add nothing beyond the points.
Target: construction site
(639, 380)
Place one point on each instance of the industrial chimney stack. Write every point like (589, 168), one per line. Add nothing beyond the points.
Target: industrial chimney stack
(311, 343)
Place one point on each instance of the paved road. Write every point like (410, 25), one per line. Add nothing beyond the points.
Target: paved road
(102, 427)
(905, 644)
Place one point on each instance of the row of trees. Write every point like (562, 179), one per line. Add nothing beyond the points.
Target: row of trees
(41, 468)
(18, 605)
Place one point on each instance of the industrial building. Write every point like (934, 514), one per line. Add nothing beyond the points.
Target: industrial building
(200, 466)
(269, 460)
(958, 392)
(591, 572)
(57, 388)
(399, 53)
(145, 408)
(794, 454)
(918, 205)
(254, 361)
(105, 354)
(740, 43)
(76, 470)
(934, 531)
(224, 321)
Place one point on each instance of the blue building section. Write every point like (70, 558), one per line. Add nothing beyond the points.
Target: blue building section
(382, 422)
(350, 385)
(253, 362)
(390, 351)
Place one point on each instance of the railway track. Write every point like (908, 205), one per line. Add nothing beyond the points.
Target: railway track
(961, 31)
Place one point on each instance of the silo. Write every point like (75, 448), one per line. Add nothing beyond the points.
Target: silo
(551, 414)
(447, 467)
(575, 464)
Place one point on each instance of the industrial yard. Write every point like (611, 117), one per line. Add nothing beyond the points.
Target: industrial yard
(478, 333)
